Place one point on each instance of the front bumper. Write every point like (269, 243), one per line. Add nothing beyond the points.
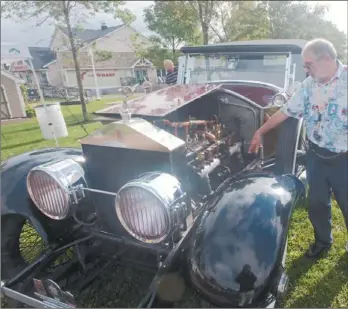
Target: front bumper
(45, 302)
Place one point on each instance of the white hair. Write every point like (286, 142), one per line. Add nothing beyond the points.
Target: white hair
(168, 61)
(320, 47)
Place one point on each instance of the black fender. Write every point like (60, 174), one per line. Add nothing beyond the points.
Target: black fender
(14, 194)
(238, 245)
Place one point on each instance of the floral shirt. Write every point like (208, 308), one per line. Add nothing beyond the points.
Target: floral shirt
(324, 108)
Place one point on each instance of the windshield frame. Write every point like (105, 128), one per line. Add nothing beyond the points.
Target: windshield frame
(187, 65)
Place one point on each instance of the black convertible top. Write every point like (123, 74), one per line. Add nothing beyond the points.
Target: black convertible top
(278, 45)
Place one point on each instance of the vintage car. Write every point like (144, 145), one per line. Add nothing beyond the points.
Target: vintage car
(167, 185)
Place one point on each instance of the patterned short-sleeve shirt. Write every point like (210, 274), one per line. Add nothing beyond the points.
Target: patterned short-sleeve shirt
(324, 108)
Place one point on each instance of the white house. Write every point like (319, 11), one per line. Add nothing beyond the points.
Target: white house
(120, 64)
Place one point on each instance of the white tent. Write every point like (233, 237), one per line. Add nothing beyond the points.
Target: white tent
(53, 120)
(13, 52)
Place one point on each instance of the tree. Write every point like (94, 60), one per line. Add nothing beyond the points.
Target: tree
(62, 12)
(205, 12)
(238, 21)
(250, 20)
(294, 19)
(218, 19)
(172, 25)
(156, 53)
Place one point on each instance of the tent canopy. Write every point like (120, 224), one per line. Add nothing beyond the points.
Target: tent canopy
(12, 52)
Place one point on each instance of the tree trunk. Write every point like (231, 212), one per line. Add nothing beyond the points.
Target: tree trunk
(205, 32)
(270, 11)
(173, 48)
(77, 65)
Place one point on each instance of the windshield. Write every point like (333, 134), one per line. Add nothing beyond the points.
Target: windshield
(269, 68)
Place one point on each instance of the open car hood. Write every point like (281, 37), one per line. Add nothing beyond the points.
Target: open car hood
(162, 102)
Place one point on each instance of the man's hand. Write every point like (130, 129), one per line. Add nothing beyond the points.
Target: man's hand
(255, 143)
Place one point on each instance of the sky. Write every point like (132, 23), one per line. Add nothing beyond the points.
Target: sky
(28, 34)
(338, 13)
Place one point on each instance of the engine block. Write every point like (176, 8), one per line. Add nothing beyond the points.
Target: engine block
(212, 153)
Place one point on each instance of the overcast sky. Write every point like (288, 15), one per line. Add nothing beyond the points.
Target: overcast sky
(27, 33)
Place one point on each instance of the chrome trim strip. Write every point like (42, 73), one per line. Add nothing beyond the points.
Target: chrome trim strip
(98, 191)
(247, 82)
(300, 122)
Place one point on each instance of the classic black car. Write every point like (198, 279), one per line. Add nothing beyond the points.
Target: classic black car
(166, 185)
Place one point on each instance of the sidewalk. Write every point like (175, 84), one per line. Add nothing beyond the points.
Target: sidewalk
(12, 121)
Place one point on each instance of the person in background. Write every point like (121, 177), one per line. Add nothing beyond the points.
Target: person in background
(322, 102)
(172, 72)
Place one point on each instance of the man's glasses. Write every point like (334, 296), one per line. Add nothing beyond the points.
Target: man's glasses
(308, 65)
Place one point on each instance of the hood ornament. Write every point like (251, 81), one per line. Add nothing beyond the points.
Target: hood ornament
(125, 113)
(147, 85)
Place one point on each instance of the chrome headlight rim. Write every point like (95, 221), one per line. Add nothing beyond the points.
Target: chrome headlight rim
(169, 201)
(283, 97)
(120, 216)
(60, 180)
(34, 200)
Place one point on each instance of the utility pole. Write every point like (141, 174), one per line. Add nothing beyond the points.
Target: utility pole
(94, 74)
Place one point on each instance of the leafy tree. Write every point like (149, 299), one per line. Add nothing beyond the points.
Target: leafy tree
(156, 53)
(294, 19)
(252, 20)
(222, 21)
(238, 21)
(62, 12)
(173, 25)
(205, 12)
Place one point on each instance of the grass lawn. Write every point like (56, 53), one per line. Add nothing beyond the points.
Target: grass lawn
(21, 137)
(323, 283)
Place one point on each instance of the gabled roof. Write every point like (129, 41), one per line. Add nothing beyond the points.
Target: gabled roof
(41, 56)
(89, 35)
(12, 77)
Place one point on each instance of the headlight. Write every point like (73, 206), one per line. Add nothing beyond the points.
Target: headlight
(149, 208)
(279, 99)
(51, 187)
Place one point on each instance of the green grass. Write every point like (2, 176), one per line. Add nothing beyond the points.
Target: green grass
(21, 137)
(322, 283)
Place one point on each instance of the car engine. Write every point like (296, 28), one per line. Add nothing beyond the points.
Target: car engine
(212, 152)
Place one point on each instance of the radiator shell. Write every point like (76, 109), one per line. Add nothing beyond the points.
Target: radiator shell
(120, 152)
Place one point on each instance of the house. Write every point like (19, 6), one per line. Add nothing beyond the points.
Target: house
(11, 98)
(112, 51)
(40, 57)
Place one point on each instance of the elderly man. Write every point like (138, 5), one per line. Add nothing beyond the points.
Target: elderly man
(172, 72)
(322, 102)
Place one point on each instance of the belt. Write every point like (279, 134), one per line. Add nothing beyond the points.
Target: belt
(324, 153)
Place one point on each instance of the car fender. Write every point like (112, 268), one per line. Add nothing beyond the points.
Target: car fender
(14, 194)
(239, 242)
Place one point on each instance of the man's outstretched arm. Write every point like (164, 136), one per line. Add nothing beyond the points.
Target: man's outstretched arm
(271, 123)
(292, 108)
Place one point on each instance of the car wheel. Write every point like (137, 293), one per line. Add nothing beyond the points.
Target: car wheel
(21, 244)
(291, 143)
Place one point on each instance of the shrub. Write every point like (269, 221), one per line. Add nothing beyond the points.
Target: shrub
(24, 90)
(30, 111)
